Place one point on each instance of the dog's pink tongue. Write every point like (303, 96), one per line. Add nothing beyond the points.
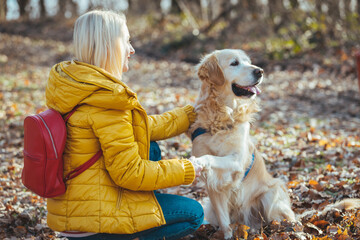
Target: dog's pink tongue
(254, 89)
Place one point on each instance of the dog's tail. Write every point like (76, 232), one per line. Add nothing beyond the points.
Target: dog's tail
(345, 204)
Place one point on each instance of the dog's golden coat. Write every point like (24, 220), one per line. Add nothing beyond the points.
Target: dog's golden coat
(225, 151)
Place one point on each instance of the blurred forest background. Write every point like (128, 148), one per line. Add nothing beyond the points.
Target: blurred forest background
(278, 29)
(308, 130)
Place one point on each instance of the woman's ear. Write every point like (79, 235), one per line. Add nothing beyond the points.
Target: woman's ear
(209, 70)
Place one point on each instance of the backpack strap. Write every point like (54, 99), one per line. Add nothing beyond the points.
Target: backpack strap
(87, 164)
(71, 113)
(83, 167)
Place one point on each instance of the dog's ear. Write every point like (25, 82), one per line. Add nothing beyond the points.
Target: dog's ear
(210, 70)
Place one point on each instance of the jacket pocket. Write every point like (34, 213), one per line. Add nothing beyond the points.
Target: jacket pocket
(118, 202)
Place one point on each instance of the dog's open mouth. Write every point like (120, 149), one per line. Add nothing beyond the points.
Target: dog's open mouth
(248, 91)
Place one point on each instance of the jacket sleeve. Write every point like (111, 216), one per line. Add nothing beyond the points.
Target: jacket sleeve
(171, 123)
(122, 159)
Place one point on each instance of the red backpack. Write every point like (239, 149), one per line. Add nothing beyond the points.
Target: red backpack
(44, 142)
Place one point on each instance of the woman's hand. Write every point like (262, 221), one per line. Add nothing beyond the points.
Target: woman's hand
(197, 166)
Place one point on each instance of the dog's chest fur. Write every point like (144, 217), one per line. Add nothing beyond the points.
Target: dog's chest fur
(230, 141)
(227, 128)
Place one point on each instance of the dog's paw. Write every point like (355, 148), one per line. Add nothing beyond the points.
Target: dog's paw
(201, 161)
(228, 233)
(195, 161)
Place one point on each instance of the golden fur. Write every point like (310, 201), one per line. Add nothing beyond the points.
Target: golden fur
(225, 150)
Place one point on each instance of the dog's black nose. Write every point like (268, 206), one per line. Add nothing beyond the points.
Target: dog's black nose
(258, 72)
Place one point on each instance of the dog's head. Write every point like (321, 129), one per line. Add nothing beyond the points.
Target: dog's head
(232, 71)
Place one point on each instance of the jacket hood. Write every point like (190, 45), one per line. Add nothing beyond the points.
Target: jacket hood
(74, 83)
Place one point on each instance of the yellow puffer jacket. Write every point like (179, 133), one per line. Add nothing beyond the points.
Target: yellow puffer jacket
(115, 195)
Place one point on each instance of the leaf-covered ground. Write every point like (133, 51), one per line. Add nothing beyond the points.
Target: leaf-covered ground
(308, 132)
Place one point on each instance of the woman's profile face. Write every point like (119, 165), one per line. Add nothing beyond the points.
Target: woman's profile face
(129, 50)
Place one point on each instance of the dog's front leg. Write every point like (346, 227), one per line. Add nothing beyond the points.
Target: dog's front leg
(219, 202)
(242, 138)
(234, 145)
(225, 170)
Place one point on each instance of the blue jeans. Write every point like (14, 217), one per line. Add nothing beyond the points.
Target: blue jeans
(182, 215)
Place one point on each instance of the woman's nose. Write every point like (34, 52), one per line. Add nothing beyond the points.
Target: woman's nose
(132, 50)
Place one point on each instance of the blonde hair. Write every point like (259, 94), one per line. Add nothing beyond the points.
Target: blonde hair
(96, 40)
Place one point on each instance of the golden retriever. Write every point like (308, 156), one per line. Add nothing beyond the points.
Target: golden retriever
(240, 188)
(225, 107)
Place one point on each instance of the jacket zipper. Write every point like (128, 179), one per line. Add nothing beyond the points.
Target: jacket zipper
(163, 221)
(118, 202)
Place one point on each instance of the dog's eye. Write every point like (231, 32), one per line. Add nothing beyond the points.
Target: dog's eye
(234, 63)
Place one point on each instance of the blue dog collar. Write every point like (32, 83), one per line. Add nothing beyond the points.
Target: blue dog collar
(199, 131)
(249, 168)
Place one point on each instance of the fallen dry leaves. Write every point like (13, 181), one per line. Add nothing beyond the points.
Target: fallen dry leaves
(308, 132)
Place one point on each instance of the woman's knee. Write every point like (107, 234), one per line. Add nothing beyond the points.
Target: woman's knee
(178, 208)
(199, 216)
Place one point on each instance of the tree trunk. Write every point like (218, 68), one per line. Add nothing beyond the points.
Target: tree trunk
(22, 8)
(253, 8)
(3, 10)
(73, 8)
(215, 9)
(278, 14)
(42, 9)
(234, 14)
(227, 7)
(61, 8)
(241, 10)
(205, 10)
(334, 10)
(189, 16)
(318, 6)
(346, 16)
(175, 9)
(134, 6)
(140, 7)
(271, 9)
(294, 4)
(347, 8)
(276, 8)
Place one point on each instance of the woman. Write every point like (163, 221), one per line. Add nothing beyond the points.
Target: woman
(115, 198)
